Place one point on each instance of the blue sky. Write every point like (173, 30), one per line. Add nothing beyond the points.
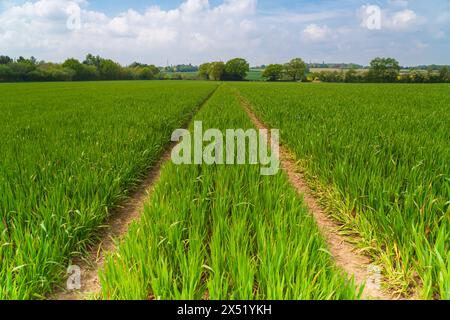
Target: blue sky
(193, 31)
(264, 6)
(117, 6)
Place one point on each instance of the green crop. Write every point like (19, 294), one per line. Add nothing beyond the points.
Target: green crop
(223, 232)
(379, 157)
(70, 153)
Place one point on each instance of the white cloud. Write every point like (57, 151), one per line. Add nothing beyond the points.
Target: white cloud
(370, 17)
(316, 33)
(198, 31)
(402, 20)
(240, 7)
(390, 18)
(194, 6)
(192, 27)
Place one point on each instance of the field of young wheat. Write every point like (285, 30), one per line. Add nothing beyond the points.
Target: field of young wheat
(377, 157)
(224, 232)
(70, 153)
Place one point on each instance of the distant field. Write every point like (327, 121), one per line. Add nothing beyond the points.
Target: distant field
(403, 71)
(334, 69)
(185, 75)
(255, 75)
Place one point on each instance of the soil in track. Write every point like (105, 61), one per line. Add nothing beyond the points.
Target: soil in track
(116, 227)
(346, 256)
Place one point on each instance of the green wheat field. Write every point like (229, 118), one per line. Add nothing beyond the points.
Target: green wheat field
(376, 155)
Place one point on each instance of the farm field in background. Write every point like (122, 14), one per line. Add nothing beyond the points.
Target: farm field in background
(255, 75)
(252, 75)
(377, 155)
(379, 158)
(193, 75)
(334, 69)
(70, 152)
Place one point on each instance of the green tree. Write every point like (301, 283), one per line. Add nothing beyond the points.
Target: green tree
(444, 74)
(203, 70)
(148, 72)
(351, 76)
(273, 72)
(30, 62)
(6, 73)
(21, 69)
(82, 72)
(384, 70)
(51, 72)
(416, 76)
(216, 71)
(92, 60)
(296, 69)
(76, 66)
(89, 73)
(138, 65)
(72, 63)
(5, 60)
(39, 75)
(237, 69)
(110, 70)
(57, 73)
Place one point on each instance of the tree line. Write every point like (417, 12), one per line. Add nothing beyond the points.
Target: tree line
(235, 69)
(182, 68)
(384, 70)
(294, 70)
(380, 70)
(98, 68)
(92, 68)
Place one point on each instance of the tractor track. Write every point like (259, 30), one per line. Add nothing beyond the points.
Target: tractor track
(345, 255)
(117, 227)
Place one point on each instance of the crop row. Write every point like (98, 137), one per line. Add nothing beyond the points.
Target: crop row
(70, 153)
(223, 232)
(379, 158)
